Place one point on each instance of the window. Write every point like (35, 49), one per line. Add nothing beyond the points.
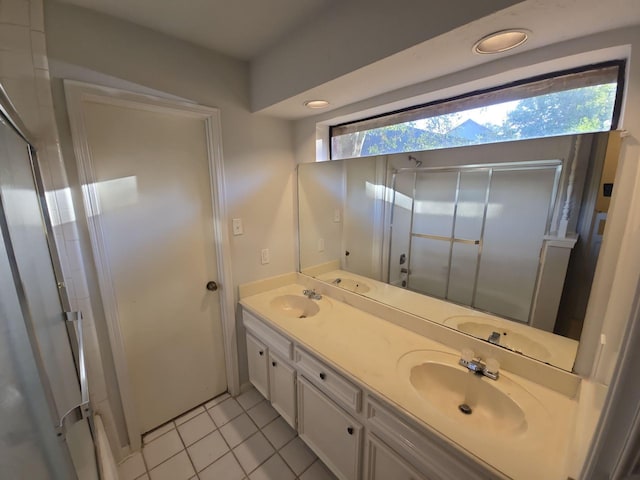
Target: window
(563, 103)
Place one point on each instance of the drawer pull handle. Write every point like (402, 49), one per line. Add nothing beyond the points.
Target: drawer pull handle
(273, 364)
(350, 430)
(261, 352)
(322, 376)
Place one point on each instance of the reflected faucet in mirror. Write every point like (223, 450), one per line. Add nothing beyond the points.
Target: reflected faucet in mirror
(494, 338)
(506, 234)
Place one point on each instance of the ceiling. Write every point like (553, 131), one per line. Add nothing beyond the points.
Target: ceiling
(550, 21)
(365, 48)
(239, 28)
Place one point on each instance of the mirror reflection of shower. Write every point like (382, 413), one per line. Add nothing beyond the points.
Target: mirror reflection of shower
(472, 234)
(346, 206)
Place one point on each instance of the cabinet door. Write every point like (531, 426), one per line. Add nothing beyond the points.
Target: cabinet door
(330, 432)
(383, 463)
(257, 358)
(282, 388)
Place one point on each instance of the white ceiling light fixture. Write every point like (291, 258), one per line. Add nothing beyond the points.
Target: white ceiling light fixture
(316, 104)
(501, 41)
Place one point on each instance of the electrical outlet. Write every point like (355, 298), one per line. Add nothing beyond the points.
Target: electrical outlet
(264, 256)
(321, 244)
(237, 226)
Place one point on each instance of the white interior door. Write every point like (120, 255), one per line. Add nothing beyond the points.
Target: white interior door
(153, 208)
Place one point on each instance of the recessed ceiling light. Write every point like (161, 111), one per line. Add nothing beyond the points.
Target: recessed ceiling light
(501, 41)
(316, 104)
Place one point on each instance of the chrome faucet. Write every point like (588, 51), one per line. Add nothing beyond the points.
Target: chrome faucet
(476, 365)
(336, 281)
(311, 294)
(494, 338)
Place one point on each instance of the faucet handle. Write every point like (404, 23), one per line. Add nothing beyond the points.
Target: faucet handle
(467, 355)
(492, 366)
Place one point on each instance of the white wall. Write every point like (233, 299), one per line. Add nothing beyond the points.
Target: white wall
(364, 216)
(258, 159)
(321, 192)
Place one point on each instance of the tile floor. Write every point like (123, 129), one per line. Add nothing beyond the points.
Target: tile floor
(225, 439)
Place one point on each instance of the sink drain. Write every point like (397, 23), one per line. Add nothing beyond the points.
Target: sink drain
(302, 316)
(466, 409)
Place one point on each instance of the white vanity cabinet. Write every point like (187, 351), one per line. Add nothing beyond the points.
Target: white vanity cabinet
(268, 361)
(330, 432)
(383, 463)
(282, 388)
(358, 435)
(327, 403)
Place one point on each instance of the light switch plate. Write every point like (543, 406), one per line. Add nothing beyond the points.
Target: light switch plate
(321, 244)
(237, 226)
(264, 256)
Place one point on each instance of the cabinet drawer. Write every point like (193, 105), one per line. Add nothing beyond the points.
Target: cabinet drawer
(334, 384)
(273, 339)
(429, 453)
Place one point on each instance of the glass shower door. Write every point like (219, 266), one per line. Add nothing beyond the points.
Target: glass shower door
(475, 233)
(40, 395)
(470, 208)
(516, 222)
(431, 232)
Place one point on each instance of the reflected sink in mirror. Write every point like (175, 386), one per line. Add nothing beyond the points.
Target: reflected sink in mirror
(498, 407)
(481, 328)
(295, 306)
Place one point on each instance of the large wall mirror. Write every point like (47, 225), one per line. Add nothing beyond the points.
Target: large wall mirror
(498, 241)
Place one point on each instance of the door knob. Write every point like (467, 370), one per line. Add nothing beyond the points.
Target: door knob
(213, 286)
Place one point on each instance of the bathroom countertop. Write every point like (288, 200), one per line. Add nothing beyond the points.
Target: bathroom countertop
(369, 349)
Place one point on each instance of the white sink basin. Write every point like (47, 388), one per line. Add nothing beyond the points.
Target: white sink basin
(509, 338)
(497, 407)
(448, 388)
(295, 306)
